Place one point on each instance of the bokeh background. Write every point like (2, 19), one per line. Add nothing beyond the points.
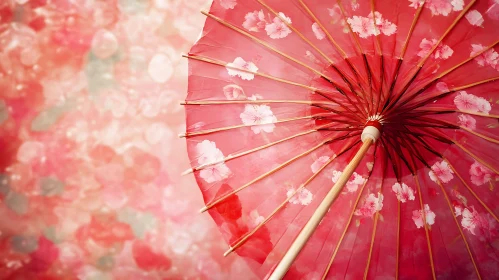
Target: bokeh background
(90, 161)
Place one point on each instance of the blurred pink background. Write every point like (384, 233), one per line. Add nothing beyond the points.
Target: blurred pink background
(90, 161)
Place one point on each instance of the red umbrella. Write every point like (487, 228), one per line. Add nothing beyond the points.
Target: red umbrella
(354, 139)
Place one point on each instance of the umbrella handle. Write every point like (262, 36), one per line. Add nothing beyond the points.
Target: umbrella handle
(320, 212)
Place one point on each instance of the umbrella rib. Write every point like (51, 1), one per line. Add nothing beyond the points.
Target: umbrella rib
(231, 157)
(423, 215)
(484, 137)
(226, 128)
(438, 109)
(268, 173)
(459, 228)
(476, 157)
(423, 61)
(260, 101)
(270, 47)
(471, 190)
(224, 64)
(326, 271)
(248, 235)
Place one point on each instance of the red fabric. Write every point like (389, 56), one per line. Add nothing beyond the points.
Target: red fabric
(247, 141)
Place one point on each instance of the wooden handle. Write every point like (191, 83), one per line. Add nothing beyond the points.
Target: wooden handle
(319, 213)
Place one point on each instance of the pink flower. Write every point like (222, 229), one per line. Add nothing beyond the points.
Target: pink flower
(319, 34)
(30, 151)
(442, 87)
(303, 196)
(403, 192)
(387, 27)
(416, 3)
(467, 121)
(457, 5)
(362, 26)
(278, 29)
(417, 216)
(242, 64)
(372, 204)
(335, 13)
(215, 173)
(474, 18)
(481, 225)
(466, 102)
(483, 105)
(234, 92)
(260, 117)
(441, 52)
(442, 171)
(353, 184)
(318, 163)
(228, 4)
(208, 155)
(439, 7)
(480, 174)
(489, 57)
(254, 21)
(458, 210)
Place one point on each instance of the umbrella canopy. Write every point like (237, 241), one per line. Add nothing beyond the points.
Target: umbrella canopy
(354, 139)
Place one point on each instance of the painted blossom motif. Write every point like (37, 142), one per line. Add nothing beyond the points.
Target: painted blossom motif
(481, 225)
(472, 103)
(303, 197)
(417, 216)
(256, 218)
(442, 87)
(474, 17)
(371, 205)
(441, 52)
(208, 153)
(416, 3)
(353, 184)
(404, 192)
(310, 56)
(374, 24)
(260, 117)
(335, 13)
(318, 163)
(439, 7)
(441, 171)
(278, 29)
(242, 64)
(467, 121)
(488, 58)
(355, 5)
(255, 21)
(319, 33)
(234, 92)
(480, 174)
(228, 4)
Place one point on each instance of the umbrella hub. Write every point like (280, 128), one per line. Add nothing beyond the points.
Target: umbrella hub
(372, 129)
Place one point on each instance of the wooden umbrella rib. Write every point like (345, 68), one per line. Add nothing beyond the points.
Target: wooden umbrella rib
(476, 157)
(423, 215)
(259, 101)
(248, 235)
(226, 128)
(224, 64)
(270, 47)
(471, 190)
(350, 218)
(460, 229)
(268, 173)
(438, 109)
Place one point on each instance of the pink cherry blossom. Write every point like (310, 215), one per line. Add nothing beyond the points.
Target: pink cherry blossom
(254, 21)
(457, 5)
(278, 29)
(442, 87)
(319, 33)
(466, 102)
(228, 4)
(480, 174)
(208, 152)
(335, 13)
(474, 17)
(303, 196)
(416, 3)
(441, 171)
(440, 52)
(234, 92)
(439, 7)
(362, 26)
(371, 205)
(481, 225)
(353, 184)
(387, 27)
(417, 216)
(260, 117)
(214, 173)
(483, 105)
(426, 47)
(489, 57)
(458, 210)
(404, 192)
(318, 163)
(467, 121)
(242, 64)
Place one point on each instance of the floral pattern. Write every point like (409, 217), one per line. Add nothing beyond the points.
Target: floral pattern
(209, 154)
(439, 7)
(276, 28)
(371, 205)
(472, 103)
(480, 174)
(487, 58)
(318, 163)
(482, 225)
(374, 24)
(417, 216)
(234, 92)
(228, 4)
(474, 17)
(240, 63)
(353, 184)
(319, 33)
(440, 52)
(404, 192)
(260, 117)
(441, 171)
(467, 121)
(302, 196)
